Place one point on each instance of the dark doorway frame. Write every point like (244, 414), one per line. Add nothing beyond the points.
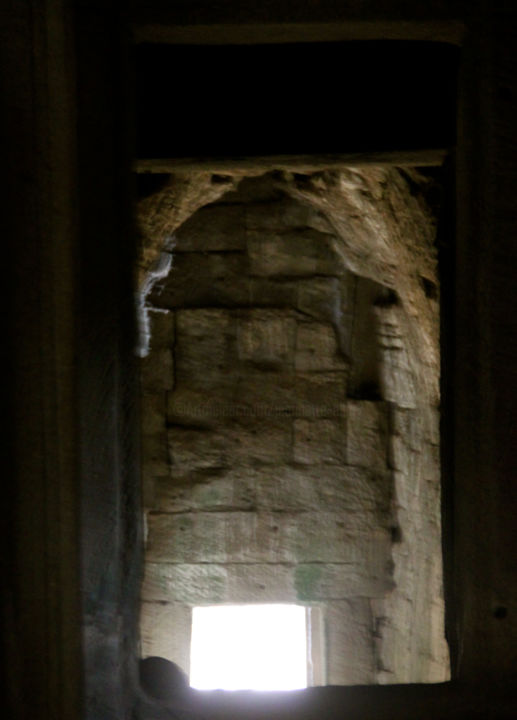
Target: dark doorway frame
(66, 117)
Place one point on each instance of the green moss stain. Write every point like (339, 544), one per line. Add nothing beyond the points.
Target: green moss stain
(306, 581)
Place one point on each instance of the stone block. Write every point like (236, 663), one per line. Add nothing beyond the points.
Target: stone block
(273, 292)
(205, 349)
(277, 488)
(165, 632)
(403, 459)
(350, 652)
(294, 254)
(199, 280)
(260, 583)
(354, 490)
(410, 425)
(204, 323)
(266, 337)
(266, 537)
(216, 490)
(254, 438)
(285, 214)
(212, 583)
(192, 584)
(265, 394)
(320, 394)
(340, 537)
(317, 348)
(318, 582)
(285, 489)
(228, 537)
(367, 441)
(213, 228)
(319, 440)
(197, 408)
(171, 539)
(237, 443)
(270, 537)
(191, 449)
(431, 463)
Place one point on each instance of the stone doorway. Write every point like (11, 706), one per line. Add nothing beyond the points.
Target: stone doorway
(291, 410)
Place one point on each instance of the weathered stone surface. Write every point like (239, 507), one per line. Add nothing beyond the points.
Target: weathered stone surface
(335, 488)
(217, 490)
(211, 230)
(191, 449)
(204, 279)
(266, 337)
(205, 348)
(324, 298)
(236, 537)
(350, 653)
(317, 582)
(278, 488)
(254, 393)
(398, 381)
(220, 538)
(319, 440)
(317, 348)
(191, 584)
(266, 394)
(285, 214)
(273, 292)
(165, 632)
(160, 214)
(367, 434)
(204, 323)
(199, 584)
(195, 408)
(415, 427)
(340, 538)
(262, 440)
(397, 375)
(294, 254)
(212, 583)
(403, 458)
(320, 394)
(259, 440)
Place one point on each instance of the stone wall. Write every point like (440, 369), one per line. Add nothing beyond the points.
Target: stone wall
(290, 436)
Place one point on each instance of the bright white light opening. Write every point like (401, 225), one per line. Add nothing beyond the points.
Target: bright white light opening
(248, 647)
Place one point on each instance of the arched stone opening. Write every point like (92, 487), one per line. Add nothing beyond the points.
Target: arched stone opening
(291, 411)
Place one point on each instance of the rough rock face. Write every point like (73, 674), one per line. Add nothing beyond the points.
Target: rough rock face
(290, 405)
